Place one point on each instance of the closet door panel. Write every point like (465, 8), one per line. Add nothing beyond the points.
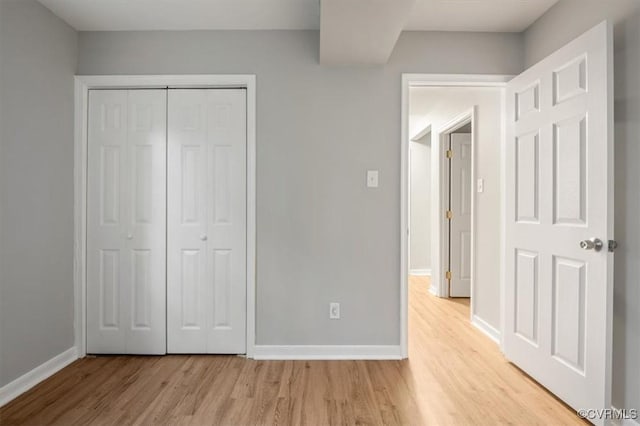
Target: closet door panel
(106, 222)
(126, 222)
(146, 221)
(187, 224)
(227, 219)
(207, 221)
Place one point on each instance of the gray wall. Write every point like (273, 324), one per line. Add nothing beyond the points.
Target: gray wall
(37, 63)
(322, 235)
(565, 21)
(420, 204)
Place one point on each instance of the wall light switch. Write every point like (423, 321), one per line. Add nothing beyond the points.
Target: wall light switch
(480, 185)
(334, 310)
(372, 178)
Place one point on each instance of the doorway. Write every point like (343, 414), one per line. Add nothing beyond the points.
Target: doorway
(245, 86)
(420, 203)
(453, 108)
(555, 214)
(166, 221)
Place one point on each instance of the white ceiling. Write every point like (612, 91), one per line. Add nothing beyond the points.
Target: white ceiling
(476, 15)
(442, 15)
(120, 15)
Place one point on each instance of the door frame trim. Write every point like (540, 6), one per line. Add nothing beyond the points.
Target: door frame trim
(410, 80)
(82, 85)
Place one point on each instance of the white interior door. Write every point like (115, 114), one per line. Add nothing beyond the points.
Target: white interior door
(559, 155)
(207, 221)
(460, 222)
(126, 222)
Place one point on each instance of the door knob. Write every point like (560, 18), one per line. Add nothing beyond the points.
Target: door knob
(203, 237)
(129, 236)
(591, 244)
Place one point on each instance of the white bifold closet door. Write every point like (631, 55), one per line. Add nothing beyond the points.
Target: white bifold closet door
(206, 281)
(126, 222)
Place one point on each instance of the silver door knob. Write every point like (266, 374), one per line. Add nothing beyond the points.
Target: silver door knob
(591, 244)
(203, 237)
(129, 236)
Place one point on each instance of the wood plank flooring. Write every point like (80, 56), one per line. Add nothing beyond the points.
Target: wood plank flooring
(454, 376)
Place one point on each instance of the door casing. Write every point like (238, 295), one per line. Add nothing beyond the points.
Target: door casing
(438, 80)
(81, 96)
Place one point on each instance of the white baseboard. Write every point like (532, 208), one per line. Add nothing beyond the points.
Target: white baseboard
(420, 272)
(327, 352)
(28, 380)
(624, 422)
(489, 330)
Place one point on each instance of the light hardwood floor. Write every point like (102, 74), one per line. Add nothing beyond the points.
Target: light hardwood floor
(455, 375)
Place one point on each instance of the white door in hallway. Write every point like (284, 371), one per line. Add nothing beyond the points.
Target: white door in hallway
(559, 207)
(126, 222)
(206, 266)
(460, 223)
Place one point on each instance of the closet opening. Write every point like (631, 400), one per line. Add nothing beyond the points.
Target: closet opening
(165, 214)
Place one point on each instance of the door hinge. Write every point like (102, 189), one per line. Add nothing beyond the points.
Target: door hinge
(449, 214)
(449, 153)
(447, 275)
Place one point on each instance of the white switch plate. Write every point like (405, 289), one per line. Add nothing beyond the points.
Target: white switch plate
(334, 310)
(480, 185)
(372, 178)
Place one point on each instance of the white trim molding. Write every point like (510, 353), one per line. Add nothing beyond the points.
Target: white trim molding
(423, 80)
(12, 390)
(82, 86)
(456, 80)
(420, 272)
(490, 331)
(422, 133)
(327, 352)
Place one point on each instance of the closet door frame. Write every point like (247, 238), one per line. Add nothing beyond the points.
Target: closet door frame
(81, 101)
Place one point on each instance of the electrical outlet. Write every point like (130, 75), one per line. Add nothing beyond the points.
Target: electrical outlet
(334, 310)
